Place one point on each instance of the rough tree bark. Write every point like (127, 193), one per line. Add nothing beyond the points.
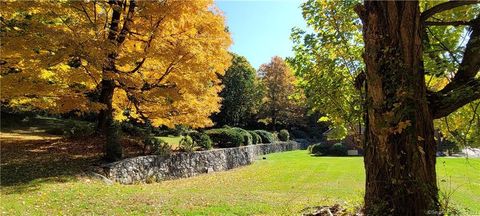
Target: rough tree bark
(399, 140)
(399, 137)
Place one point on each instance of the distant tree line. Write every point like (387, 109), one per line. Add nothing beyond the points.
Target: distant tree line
(265, 99)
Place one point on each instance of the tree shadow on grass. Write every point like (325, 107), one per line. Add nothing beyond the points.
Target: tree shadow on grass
(27, 163)
(21, 178)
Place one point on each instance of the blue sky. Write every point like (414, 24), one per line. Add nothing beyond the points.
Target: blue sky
(261, 28)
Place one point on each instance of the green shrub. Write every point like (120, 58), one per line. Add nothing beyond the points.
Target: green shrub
(225, 137)
(338, 149)
(256, 139)
(201, 139)
(319, 149)
(247, 137)
(77, 129)
(186, 144)
(161, 131)
(180, 130)
(133, 130)
(157, 146)
(266, 136)
(283, 135)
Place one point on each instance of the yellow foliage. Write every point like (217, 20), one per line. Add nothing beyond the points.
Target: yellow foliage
(435, 83)
(56, 52)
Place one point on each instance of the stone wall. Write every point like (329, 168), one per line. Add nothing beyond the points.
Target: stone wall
(181, 164)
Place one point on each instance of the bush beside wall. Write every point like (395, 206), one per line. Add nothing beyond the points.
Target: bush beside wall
(266, 136)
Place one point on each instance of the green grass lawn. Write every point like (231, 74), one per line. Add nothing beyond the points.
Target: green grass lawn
(172, 140)
(283, 184)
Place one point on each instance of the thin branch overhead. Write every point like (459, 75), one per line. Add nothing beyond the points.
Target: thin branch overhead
(447, 23)
(446, 6)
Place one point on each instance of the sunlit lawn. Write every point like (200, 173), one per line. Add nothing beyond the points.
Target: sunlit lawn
(172, 140)
(283, 184)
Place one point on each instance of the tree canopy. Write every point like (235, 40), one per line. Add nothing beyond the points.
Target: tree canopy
(160, 59)
(241, 94)
(282, 101)
(328, 60)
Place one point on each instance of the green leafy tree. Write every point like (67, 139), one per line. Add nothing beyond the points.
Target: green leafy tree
(462, 126)
(327, 61)
(241, 95)
(404, 45)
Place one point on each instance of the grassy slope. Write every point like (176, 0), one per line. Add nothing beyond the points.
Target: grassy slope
(283, 184)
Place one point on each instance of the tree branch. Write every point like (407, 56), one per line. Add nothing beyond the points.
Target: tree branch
(113, 28)
(464, 87)
(90, 75)
(447, 23)
(470, 64)
(147, 86)
(139, 65)
(148, 44)
(126, 24)
(444, 7)
(442, 105)
(444, 47)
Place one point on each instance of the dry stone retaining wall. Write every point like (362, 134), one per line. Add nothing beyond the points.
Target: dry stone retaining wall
(180, 165)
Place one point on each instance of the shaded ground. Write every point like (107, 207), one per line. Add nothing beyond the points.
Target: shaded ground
(32, 125)
(29, 155)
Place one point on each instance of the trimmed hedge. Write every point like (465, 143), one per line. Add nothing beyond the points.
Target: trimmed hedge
(226, 137)
(256, 139)
(338, 149)
(319, 149)
(247, 137)
(201, 139)
(266, 136)
(283, 135)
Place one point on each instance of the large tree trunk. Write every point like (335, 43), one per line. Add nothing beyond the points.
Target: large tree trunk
(399, 139)
(106, 96)
(106, 126)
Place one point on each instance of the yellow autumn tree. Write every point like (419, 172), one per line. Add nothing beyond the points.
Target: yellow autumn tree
(155, 60)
